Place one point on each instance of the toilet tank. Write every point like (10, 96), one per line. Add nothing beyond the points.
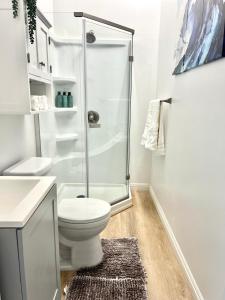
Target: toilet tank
(33, 166)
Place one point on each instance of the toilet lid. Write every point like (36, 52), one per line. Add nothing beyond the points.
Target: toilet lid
(82, 210)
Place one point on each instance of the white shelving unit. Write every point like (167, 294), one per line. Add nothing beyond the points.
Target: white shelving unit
(64, 80)
(66, 137)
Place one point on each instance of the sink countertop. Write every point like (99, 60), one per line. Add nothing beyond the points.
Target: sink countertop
(19, 198)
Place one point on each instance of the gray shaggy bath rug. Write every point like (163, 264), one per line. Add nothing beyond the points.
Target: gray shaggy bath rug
(120, 276)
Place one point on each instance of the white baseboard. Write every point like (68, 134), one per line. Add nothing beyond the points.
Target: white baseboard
(176, 246)
(140, 186)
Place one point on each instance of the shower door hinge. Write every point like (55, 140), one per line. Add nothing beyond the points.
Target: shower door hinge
(49, 40)
(131, 58)
(128, 177)
(50, 68)
(28, 57)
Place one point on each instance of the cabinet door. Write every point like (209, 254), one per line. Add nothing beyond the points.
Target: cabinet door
(33, 53)
(39, 65)
(10, 284)
(38, 252)
(42, 45)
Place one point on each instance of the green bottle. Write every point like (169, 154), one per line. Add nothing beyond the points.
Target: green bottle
(70, 100)
(59, 100)
(65, 100)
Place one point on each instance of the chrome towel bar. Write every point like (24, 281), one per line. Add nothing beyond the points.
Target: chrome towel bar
(169, 100)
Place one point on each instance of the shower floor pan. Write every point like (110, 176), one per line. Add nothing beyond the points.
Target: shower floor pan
(108, 192)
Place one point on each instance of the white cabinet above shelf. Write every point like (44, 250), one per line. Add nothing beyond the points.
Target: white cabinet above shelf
(66, 137)
(38, 55)
(22, 63)
(64, 79)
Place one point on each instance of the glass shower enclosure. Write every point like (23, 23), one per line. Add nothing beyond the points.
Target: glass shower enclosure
(90, 142)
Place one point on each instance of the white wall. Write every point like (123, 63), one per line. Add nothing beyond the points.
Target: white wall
(16, 139)
(46, 7)
(143, 16)
(189, 180)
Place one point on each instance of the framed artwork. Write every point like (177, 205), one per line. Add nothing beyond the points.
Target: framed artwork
(201, 39)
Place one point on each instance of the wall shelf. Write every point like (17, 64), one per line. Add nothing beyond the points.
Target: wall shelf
(64, 80)
(39, 80)
(65, 109)
(66, 137)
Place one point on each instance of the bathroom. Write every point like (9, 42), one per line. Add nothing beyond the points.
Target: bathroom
(88, 210)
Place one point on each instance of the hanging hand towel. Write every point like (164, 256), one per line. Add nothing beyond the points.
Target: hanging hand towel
(162, 123)
(151, 131)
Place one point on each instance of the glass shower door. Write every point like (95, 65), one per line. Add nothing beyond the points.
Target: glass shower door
(108, 92)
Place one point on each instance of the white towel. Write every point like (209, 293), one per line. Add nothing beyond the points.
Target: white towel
(162, 123)
(35, 103)
(39, 102)
(43, 102)
(153, 137)
(151, 131)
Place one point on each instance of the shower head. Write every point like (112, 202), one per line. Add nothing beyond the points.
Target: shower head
(90, 37)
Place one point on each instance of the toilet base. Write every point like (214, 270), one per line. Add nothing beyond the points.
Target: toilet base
(86, 253)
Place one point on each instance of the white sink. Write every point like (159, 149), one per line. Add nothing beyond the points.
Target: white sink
(19, 198)
(12, 192)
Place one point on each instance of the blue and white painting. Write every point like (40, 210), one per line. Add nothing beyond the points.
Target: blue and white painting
(201, 38)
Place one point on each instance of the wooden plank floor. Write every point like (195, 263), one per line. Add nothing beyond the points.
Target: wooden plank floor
(166, 279)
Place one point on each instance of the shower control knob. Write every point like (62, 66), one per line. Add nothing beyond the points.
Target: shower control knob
(93, 117)
(90, 37)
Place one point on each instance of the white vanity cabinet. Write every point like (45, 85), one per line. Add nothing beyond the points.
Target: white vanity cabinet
(25, 67)
(29, 258)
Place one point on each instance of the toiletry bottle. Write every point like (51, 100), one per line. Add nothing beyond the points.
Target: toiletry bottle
(59, 100)
(65, 100)
(70, 99)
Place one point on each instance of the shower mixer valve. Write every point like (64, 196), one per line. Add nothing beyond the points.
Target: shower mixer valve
(93, 118)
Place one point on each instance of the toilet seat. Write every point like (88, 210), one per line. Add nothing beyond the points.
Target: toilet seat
(83, 210)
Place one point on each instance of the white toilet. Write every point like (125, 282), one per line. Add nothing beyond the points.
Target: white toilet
(80, 219)
(80, 222)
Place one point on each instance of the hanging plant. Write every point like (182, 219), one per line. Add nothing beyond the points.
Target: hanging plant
(31, 14)
(15, 8)
(31, 7)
